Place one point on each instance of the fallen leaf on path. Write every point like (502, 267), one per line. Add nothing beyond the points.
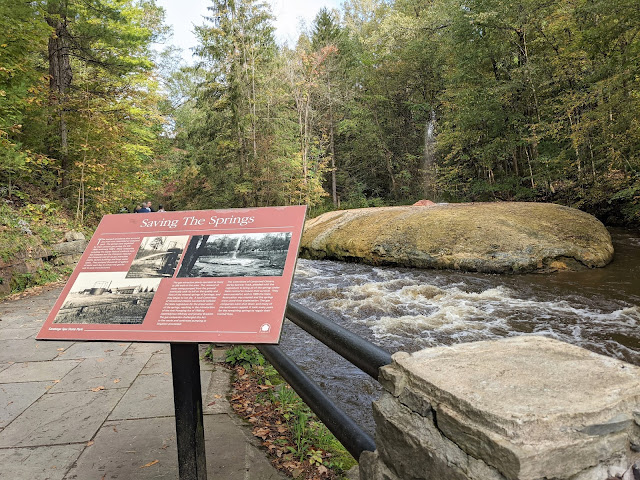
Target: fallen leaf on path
(90, 442)
(261, 432)
(60, 349)
(149, 464)
(97, 389)
(117, 380)
(217, 396)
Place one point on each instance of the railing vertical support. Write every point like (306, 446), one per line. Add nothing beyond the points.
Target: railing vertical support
(187, 397)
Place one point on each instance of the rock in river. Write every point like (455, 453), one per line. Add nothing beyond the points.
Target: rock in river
(481, 237)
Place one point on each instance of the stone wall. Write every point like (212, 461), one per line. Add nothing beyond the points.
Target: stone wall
(67, 252)
(70, 250)
(24, 263)
(524, 408)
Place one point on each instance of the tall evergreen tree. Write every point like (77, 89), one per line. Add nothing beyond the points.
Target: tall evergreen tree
(237, 49)
(328, 39)
(108, 37)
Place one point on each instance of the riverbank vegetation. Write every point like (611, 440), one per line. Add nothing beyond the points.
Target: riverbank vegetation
(296, 441)
(393, 101)
(380, 102)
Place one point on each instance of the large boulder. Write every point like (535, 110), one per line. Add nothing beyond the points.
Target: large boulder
(481, 237)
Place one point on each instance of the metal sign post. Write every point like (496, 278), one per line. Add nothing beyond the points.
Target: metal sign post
(187, 397)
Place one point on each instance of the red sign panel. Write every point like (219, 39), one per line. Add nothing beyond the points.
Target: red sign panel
(199, 276)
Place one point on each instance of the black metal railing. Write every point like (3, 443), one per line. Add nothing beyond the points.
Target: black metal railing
(358, 351)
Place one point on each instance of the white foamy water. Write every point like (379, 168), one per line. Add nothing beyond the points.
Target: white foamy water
(408, 309)
(405, 309)
(405, 315)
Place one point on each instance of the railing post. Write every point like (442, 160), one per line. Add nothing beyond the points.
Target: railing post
(187, 397)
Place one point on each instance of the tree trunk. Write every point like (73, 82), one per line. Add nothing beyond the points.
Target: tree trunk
(60, 77)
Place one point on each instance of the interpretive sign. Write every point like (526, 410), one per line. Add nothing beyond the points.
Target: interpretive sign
(198, 276)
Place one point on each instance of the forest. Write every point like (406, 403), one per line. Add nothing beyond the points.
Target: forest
(381, 102)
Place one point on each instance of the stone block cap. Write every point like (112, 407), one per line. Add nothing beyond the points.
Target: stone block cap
(532, 407)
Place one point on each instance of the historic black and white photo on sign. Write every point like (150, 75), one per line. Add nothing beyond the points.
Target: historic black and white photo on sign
(108, 298)
(236, 255)
(157, 257)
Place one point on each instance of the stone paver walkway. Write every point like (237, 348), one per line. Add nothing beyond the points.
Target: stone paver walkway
(104, 410)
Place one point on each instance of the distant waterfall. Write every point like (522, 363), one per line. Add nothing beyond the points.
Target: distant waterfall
(428, 164)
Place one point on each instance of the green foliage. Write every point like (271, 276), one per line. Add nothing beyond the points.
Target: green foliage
(20, 282)
(85, 132)
(16, 235)
(234, 131)
(245, 357)
(309, 434)
(22, 36)
(48, 274)
(25, 230)
(381, 102)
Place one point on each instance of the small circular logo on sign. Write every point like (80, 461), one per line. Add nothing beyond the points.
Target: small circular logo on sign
(265, 328)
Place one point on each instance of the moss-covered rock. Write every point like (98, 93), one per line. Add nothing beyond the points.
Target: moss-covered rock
(482, 237)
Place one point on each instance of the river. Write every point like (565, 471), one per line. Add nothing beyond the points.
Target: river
(404, 309)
